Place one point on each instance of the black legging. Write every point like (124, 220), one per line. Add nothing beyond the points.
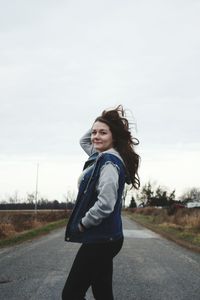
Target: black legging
(93, 266)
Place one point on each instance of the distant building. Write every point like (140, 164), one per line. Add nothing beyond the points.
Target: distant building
(193, 204)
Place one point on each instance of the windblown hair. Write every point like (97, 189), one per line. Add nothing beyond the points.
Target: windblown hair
(123, 141)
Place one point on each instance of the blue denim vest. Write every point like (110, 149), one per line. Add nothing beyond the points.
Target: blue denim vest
(110, 228)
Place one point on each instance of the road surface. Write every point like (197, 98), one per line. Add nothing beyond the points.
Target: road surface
(148, 267)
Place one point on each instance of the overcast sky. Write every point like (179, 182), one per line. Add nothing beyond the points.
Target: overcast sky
(63, 62)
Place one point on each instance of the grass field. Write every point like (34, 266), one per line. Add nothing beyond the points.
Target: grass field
(17, 226)
(181, 225)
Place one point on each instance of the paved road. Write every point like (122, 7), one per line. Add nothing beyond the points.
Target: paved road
(148, 267)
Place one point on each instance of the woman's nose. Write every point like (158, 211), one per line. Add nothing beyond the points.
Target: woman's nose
(96, 135)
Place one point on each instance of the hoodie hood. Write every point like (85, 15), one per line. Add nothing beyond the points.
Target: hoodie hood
(116, 153)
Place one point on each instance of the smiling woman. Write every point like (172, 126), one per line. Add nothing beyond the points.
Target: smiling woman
(96, 219)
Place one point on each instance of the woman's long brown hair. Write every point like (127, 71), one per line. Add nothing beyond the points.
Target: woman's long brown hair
(124, 143)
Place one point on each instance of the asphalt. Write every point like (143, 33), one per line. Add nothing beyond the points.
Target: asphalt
(147, 267)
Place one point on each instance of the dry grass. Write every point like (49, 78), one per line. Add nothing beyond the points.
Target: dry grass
(182, 225)
(188, 218)
(12, 223)
(182, 217)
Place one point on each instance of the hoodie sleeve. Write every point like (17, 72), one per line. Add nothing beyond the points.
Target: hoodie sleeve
(107, 188)
(86, 144)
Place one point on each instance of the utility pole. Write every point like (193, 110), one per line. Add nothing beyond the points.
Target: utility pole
(36, 189)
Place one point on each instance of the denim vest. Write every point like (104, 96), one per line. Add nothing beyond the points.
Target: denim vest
(110, 228)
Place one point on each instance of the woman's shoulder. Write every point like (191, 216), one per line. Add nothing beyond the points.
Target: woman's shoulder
(111, 155)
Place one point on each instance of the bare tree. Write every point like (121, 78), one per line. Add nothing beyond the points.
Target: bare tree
(191, 195)
(30, 198)
(14, 199)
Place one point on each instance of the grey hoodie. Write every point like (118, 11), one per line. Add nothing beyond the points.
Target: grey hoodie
(107, 186)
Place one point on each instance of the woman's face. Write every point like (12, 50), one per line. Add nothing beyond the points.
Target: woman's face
(101, 136)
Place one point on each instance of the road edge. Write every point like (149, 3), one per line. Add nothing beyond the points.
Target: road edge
(166, 235)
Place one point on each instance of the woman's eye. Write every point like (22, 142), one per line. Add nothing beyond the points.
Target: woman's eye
(100, 132)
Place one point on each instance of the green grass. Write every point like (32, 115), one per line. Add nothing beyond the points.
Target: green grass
(32, 233)
(182, 236)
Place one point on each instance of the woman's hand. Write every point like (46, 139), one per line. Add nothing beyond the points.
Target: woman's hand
(80, 227)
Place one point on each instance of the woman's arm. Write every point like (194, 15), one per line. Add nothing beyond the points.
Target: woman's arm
(86, 144)
(107, 196)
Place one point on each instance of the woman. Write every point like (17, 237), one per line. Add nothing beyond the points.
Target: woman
(96, 219)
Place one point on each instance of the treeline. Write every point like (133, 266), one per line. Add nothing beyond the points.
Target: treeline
(151, 195)
(41, 204)
(148, 195)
